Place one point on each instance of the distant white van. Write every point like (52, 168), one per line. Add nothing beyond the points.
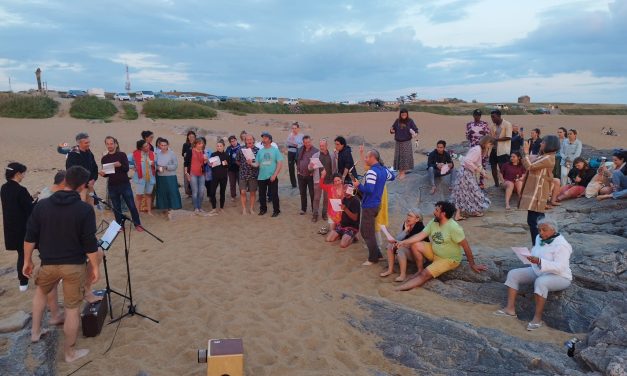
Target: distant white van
(291, 102)
(96, 92)
(272, 100)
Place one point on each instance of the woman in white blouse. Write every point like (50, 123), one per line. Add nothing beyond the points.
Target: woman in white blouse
(549, 271)
(469, 198)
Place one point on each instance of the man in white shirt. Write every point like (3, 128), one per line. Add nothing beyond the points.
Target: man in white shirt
(502, 133)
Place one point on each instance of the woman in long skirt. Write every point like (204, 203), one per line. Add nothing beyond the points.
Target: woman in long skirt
(468, 197)
(168, 195)
(403, 129)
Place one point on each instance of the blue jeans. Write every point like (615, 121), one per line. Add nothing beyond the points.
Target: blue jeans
(619, 181)
(434, 172)
(117, 193)
(198, 186)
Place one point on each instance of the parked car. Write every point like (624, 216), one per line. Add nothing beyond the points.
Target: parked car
(186, 97)
(291, 102)
(272, 100)
(122, 97)
(246, 99)
(76, 93)
(223, 98)
(144, 95)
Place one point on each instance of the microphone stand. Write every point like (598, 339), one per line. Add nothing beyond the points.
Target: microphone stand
(132, 308)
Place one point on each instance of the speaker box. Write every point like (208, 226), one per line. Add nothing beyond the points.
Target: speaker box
(225, 357)
(94, 315)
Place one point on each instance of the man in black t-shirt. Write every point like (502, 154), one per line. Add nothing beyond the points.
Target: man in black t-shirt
(439, 163)
(80, 155)
(64, 227)
(348, 227)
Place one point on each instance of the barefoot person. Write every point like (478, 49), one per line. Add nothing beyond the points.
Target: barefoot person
(404, 129)
(474, 131)
(549, 271)
(412, 226)
(580, 175)
(326, 158)
(444, 250)
(64, 228)
(335, 190)
(118, 184)
(348, 227)
(248, 173)
(436, 161)
(502, 133)
(618, 186)
(513, 173)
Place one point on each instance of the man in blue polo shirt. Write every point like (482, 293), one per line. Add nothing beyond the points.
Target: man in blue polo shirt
(372, 190)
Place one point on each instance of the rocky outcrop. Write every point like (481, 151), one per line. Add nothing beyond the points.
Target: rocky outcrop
(21, 357)
(605, 348)
(436, 346)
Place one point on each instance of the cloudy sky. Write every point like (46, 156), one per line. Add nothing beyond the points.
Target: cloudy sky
(489, 50)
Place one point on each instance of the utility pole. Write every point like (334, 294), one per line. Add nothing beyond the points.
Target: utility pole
(127, 86)
(10, 88)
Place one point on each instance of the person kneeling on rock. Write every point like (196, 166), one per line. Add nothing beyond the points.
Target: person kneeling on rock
(549, 271)
(444, 250)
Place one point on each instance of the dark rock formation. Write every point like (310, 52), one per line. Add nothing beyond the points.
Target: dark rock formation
(21, 357)
(437, 346)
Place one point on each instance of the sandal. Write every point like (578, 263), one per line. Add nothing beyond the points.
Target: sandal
(533, 326)
(501, 312)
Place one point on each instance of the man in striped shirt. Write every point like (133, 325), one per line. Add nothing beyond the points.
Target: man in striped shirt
(372, 190)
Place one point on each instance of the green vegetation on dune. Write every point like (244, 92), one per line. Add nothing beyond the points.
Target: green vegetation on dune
(278, 108)
(169, 109)
(92, 108)
(27, 107)
(130, 112)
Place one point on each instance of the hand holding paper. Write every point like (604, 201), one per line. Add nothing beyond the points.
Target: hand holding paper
(445, 169)
(108, 168)
(522, 253)
(316, 163)
(214, 161)
(336, 204)
(248, 154)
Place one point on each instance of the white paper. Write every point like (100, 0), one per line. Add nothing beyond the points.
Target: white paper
(413, 132)
(109, 235)
(316, 163)
(335, 204)
(522, 253)
(248, 154)
(108, 168)
(387, 234)
(350, 190)
(445, 169)
(214, 161)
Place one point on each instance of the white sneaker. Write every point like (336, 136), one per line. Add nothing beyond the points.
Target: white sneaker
(23, 288)
(367, 263)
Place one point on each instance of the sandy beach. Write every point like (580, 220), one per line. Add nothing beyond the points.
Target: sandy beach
(272, 281)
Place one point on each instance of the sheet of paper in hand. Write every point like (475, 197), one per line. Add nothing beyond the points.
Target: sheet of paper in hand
(522, 253)
(445, 169)
(387, 234)
(316, 163)
(108, 168)
(335, 204)
(248, 154)
(214, 161)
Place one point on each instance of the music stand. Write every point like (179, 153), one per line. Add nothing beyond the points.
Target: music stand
(132, 308)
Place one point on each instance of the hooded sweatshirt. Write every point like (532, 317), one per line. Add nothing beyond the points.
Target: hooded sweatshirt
(65, 229)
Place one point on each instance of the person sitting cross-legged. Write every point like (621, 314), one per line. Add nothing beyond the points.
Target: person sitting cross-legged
(348, 227)
(444, 250)
(412, 226)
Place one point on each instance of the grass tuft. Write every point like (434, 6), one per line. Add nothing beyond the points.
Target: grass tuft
(130, 112)
(169, 109)
(27, 107)
(92, 108)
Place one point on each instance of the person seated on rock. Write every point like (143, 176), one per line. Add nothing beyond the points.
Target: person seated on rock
(601, 182)
(348, 227)
(619, 177)
(444, 250)
(438, 159)
(412, 226)
(580, 175)
(513, 174)
(549, 271)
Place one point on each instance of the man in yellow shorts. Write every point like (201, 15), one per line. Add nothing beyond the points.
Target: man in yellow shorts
(444, 250)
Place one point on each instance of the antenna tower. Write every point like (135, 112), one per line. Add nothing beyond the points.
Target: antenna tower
(127, 86)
